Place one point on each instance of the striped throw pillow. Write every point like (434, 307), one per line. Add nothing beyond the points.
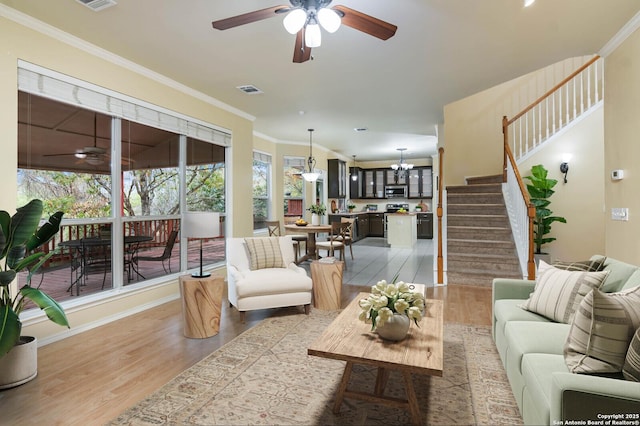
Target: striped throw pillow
(594, 265)
(601, 331)
(558, 293)
(631, 367)
(264, 252)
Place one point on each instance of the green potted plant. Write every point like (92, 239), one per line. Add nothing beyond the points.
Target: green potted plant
(540, 188)
(350, 206)
(317, 210)
(19, 237)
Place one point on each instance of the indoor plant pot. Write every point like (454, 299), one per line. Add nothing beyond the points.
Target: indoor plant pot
(317, 210)
(20, 364)
(19, 237)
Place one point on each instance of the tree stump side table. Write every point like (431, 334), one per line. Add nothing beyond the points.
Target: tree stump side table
(201, 305)
(327, 284)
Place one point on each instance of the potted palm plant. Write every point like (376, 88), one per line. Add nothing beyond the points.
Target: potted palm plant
(540, 188)
(19, 237)
(317, 210)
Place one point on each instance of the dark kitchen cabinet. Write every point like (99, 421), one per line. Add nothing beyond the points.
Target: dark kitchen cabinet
(420, 182)
(397, 177)
(355, 186)
(376, 224)
(425, 225)
(337, 178)
(373, 183)
(363, 225)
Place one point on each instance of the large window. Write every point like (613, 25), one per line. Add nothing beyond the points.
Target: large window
(261, 189)
(122, 217)
(293, 186)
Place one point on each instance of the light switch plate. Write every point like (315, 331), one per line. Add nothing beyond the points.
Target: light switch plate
(620, 213)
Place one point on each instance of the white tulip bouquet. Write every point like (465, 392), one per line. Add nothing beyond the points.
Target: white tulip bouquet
(386, 299)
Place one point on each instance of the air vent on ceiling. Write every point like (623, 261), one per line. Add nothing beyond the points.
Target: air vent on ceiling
(97, 5)
(250, 89)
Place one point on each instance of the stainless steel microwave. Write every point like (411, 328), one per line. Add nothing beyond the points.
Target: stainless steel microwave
(395, 191)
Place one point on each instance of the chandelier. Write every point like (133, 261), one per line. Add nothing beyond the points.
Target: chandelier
(309, 175)
(308, 16)
(402, 165)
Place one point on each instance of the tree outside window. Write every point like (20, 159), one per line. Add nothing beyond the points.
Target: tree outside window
(261, 191)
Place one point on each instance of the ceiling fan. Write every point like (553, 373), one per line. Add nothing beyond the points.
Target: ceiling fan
(304, 18)
(93, 155)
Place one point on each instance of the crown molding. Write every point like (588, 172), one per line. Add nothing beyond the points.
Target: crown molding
(71, 40)
(627, 29)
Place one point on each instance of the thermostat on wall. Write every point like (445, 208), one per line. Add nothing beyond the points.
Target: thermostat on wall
(617, 174)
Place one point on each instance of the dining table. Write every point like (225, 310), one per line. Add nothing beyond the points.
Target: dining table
(311, 231)
(82, 247)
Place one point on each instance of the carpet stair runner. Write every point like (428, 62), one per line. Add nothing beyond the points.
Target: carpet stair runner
(480, 244)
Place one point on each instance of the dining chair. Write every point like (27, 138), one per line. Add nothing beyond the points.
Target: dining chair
(336, 239)
(300, 238)
(273, 226)
(348, 240)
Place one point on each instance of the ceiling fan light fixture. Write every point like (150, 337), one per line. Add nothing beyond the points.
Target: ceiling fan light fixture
(312, 36)
(295, 20)
(329, 19)
(94, 160)
(80, 155)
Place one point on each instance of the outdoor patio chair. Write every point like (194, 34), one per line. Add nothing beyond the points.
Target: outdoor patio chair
(165, 256)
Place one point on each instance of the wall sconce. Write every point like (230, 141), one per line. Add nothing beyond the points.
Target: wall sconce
(564, 166)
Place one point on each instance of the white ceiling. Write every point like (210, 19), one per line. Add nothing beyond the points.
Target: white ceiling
(444, 50)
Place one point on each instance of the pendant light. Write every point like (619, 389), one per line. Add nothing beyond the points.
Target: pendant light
(354, 173)
(310, 175)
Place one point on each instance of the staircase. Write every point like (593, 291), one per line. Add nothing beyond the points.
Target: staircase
(479, 241)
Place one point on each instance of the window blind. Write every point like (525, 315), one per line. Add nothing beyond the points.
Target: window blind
(40, 81)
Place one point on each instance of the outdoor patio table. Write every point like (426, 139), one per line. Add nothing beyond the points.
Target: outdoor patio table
(82, 247)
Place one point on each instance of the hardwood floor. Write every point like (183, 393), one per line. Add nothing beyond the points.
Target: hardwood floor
(91, 377)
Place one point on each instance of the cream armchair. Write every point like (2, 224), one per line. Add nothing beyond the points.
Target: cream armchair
(261, 274)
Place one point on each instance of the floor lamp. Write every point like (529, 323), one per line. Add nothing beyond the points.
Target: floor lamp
(201, 225)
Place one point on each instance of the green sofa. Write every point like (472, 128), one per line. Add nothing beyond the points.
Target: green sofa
(531, 350)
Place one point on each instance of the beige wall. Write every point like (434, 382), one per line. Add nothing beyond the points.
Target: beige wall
(18, 42)
(581, 199)
(473, 138)
(622, 148)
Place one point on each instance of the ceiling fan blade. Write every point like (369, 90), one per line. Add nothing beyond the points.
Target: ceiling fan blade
(365, 23)
(301, 53)
(247, 18)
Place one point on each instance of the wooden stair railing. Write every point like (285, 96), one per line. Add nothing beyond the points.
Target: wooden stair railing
(439, 214)
(509, 158)
(531, 210)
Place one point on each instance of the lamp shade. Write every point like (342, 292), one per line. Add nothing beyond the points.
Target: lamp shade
(201, 225)
(311, 176)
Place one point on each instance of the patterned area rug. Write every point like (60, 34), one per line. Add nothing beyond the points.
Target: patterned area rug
(265, 377)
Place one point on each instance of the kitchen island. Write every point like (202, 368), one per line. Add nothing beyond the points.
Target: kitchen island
(402, 230)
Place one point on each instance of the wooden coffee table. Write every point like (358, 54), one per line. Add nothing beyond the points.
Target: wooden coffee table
(349, 339)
